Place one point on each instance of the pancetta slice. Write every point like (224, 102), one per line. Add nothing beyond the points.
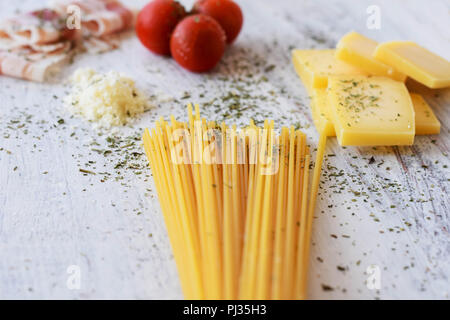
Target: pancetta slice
(35, 44)
(25, 63)
(99, 45)
(99, 17)
(38, 27)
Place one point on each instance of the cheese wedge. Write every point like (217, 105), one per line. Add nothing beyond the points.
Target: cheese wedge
(315, 66)
(416, 62)
(371, 111)
(426, 121)
(321, 112)
(357, 50)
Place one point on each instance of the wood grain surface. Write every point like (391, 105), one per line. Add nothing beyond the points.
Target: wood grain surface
(386, 206)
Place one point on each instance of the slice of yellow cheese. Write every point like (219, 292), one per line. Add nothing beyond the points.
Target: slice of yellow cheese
(321, 112)
(416, 62)
(358, 50)
(315, 66)
(426, 121)
(371, 111)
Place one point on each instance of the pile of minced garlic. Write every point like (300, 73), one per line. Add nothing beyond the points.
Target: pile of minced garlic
(109, 99)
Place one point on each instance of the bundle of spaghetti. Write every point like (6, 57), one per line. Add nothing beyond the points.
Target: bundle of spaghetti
(238, 206)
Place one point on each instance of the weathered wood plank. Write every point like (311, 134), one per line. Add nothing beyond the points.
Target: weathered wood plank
(385, 206)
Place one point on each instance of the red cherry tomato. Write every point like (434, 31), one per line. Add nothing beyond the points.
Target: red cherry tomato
(198, 43)
(227, 13)
(155, 23)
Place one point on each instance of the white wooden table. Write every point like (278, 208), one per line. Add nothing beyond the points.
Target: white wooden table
(392, 211)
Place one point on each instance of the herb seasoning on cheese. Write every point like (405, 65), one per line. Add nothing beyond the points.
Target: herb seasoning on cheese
(108, 99)
(370, 111)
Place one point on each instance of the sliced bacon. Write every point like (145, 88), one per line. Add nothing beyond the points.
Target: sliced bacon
(125, 14)
(51, 48)
(35, 44)
(97, 45)
(32, 65)
(86, 6)
(37, 27)
(100, 17)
